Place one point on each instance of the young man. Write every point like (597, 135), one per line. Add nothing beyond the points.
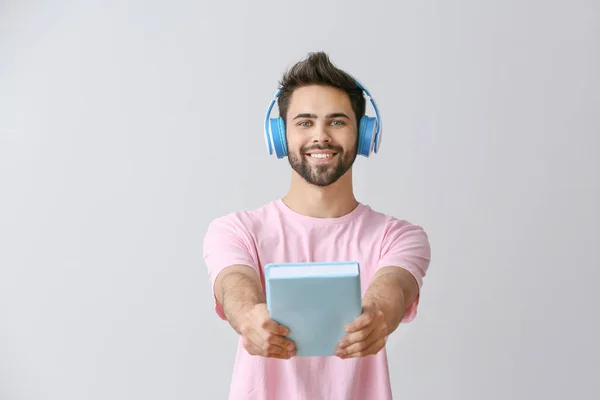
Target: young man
(319, 219)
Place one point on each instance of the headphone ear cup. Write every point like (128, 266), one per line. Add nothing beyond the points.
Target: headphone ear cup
(278, 136)
(366, 135)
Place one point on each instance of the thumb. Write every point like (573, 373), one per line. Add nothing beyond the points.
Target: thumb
(274, 327)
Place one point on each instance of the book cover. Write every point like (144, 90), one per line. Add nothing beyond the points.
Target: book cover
(315, 301)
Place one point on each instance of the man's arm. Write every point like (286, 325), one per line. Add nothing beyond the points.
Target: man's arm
(238, 289)
(392, 295)
(384, 304)
(238, 293)
(391, 291)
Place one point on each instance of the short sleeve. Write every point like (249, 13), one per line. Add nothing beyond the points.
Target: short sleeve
(406, 246)
(227, 243)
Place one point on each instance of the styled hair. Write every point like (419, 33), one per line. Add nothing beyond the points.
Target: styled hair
(317, 69)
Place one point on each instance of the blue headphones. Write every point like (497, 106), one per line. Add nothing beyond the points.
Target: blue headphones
(369, 130)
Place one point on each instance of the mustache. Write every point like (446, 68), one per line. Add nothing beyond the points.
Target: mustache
(322, 147)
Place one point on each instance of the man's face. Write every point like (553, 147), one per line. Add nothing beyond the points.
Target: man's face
(321, 134)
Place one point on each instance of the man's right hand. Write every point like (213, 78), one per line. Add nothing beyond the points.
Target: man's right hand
(261, 336)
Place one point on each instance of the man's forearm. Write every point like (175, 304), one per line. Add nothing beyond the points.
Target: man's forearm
(391, 291)
(239, 294)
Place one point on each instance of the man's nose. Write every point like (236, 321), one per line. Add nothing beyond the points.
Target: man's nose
(321, 135)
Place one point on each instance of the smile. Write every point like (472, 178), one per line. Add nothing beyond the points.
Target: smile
(321, 155)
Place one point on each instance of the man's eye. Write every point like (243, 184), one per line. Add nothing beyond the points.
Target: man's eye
(338, 122)
(304, 123)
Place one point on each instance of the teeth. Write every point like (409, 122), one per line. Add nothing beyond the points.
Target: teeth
(321, 155)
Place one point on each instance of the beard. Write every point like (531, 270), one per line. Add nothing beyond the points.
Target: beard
(322, 175)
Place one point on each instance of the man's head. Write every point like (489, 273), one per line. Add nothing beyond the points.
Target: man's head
(321, 106)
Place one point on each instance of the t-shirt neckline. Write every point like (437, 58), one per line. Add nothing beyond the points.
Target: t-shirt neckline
(320, 221)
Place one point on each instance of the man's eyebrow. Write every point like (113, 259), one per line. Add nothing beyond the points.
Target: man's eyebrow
(337, 115)
(305, 115)
(332, 115)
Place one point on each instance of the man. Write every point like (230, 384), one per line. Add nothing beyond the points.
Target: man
(319, 219)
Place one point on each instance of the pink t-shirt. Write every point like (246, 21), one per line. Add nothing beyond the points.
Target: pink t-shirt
(275, 233)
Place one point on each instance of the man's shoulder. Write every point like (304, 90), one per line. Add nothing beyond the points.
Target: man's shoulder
(384, 217)
(390, 222)
(247, 218)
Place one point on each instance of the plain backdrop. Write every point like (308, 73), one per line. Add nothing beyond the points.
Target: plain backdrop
(127, 126)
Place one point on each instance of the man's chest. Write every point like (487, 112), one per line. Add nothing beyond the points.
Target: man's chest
(322, 244)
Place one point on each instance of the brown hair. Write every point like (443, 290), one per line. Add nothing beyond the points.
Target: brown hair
(317, 69)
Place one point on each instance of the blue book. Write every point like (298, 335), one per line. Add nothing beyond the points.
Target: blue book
(315, 301)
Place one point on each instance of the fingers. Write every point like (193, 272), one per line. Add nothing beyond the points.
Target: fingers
(358, 343)
(364, 320)
(356, 337)
(264, 351)
(267, 341)
(279, 341)
(362, 342)
(278, 345)
(273, 327)
(362, 327)
(274, 335)
(371, 349)
(360, 346)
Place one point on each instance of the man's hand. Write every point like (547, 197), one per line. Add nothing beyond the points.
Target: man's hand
(384, 306)
(239, 290)
(366, 334)
(261, 336)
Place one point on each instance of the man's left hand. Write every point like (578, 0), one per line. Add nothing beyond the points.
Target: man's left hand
(366, 335)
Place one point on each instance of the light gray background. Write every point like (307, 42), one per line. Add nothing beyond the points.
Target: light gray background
(126, 126)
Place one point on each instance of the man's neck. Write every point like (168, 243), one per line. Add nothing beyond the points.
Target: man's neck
(333, 201)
